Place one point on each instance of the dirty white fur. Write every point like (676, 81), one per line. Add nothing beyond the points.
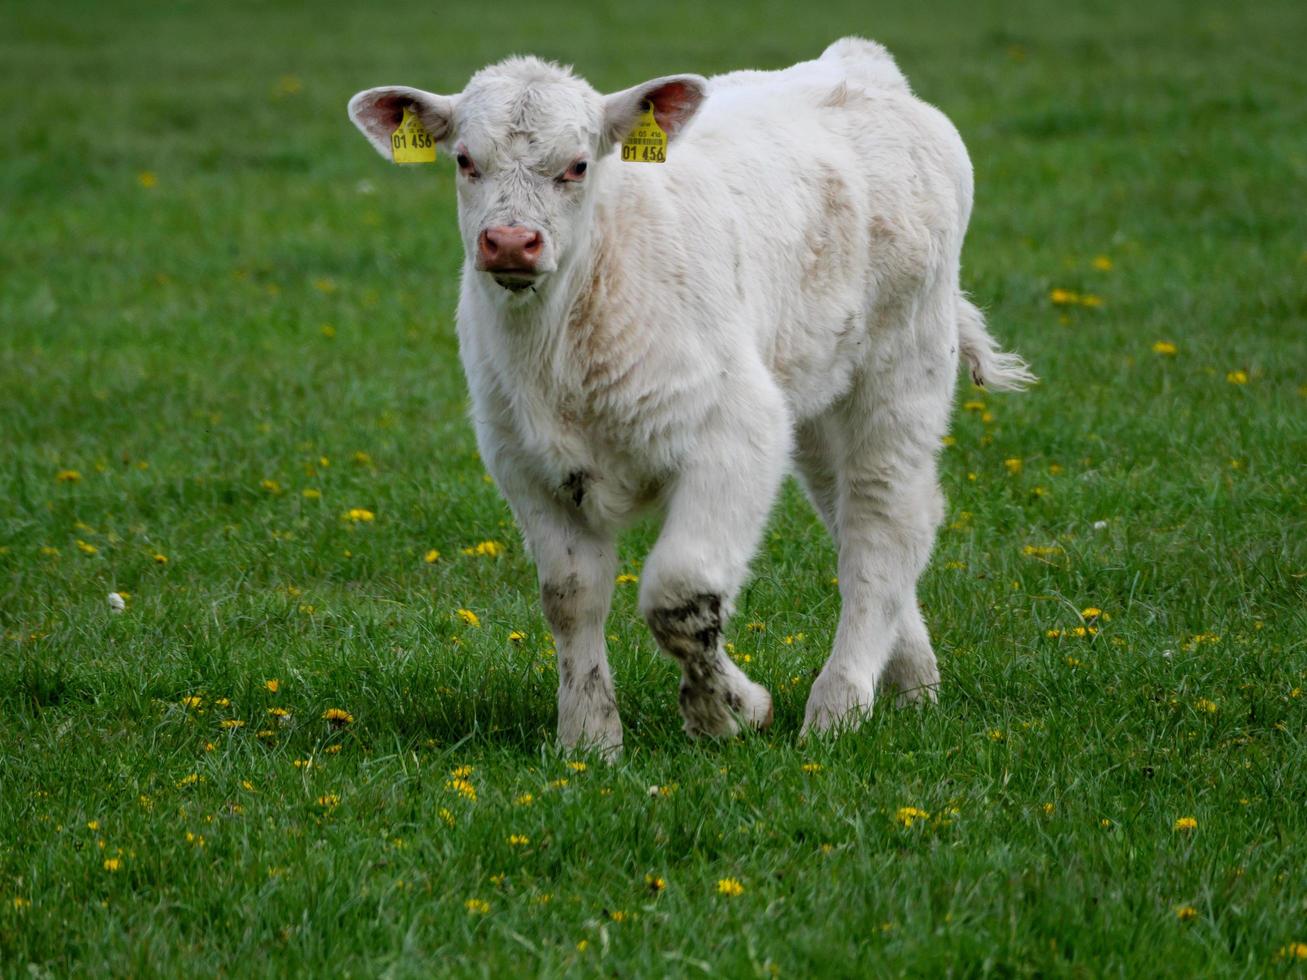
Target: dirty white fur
(782, 292)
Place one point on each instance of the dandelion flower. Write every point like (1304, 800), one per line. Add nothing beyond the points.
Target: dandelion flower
(627, 579)
(526, 799)
(517, 636)
(469, 617)
(68, 476)
(1165, 348)
(518, 840)
(272, 684)
(329, 801)
(147, 179)
(1203, 704)
(1186, 823)
(1063, 297)
(1186, 912)
(811, 767)
(431, 557)
(576, 766)
(271, 486)
(463, 788)
(338, 717)
(477, 906)
(112, 864)
(908, 815)
(192, 701)
(1293, 951)
(730, 886)
(87, 549)
(233, 723)
(311, 493)
(461, 772)
(1102, 263)
(486, 549)
(1012, 465)
(359, 515)
(655, 883)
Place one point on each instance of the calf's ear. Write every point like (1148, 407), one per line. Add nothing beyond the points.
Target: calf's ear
(378, 111)
(675, 100)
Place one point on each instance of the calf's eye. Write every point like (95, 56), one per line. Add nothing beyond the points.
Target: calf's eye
(575, 172)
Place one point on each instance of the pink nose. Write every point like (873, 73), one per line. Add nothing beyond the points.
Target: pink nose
(509, 248)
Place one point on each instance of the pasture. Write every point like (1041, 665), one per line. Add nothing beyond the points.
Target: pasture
(318, 738)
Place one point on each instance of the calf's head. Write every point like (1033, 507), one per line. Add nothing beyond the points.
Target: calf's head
(530, 140)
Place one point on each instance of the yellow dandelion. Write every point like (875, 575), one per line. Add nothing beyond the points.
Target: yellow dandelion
(1091, 301)
(329, 801)
(431, 557)
(1186, 912)
(311, 493)
(1165, 348)
(812, 767)
(463, 788)
(577, 766)
(1294, 951)
(233, 723)
(1102, 263)
(192, 701)
(147, 179)
(517, 636)
(92, 825)
(996, 735)
(339, 717)
(1237, 377)
(526, 799)
(359, 515)
(906, 816)
(729, 886)
(272, 684)
(1063, 297)
(68, 476)
(444, 814)
(1048, 809)
(486, 549)
(655, 883)
(332, 749)
(469, 617)
(87, 549)
(617, 915)
(223, 702)
(1012, 465)
(627, 579)
(190, 780)
(20, 903)
(1186, 823)
(113, 864)
(47, 551)
(518, 840)
(477, 906)
(1203, 704)
(362, 458)
(160, 559)
(1105, 823)
(328, 330)
(302, 763)
(461, 772)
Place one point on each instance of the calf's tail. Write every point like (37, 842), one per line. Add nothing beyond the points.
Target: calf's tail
(995, 369)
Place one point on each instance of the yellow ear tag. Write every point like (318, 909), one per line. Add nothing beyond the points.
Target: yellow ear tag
(647, 142)
(410, 142)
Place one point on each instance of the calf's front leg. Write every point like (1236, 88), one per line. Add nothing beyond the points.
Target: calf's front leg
(577, 568)
(715, 518)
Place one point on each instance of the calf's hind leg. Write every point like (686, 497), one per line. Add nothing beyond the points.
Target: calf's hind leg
(889, 505)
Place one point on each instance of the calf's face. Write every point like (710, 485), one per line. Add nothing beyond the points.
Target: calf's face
(530, 141)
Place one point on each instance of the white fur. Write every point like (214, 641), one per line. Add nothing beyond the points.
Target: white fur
(782, 291)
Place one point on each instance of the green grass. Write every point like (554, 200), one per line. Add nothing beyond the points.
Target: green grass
(168, 343)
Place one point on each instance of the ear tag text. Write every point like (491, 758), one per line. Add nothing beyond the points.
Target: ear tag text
(647, 143)
(410, 142)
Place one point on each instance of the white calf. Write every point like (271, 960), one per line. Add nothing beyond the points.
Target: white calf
(784, 288)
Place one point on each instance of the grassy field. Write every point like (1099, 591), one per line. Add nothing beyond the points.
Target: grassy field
(225, 333)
